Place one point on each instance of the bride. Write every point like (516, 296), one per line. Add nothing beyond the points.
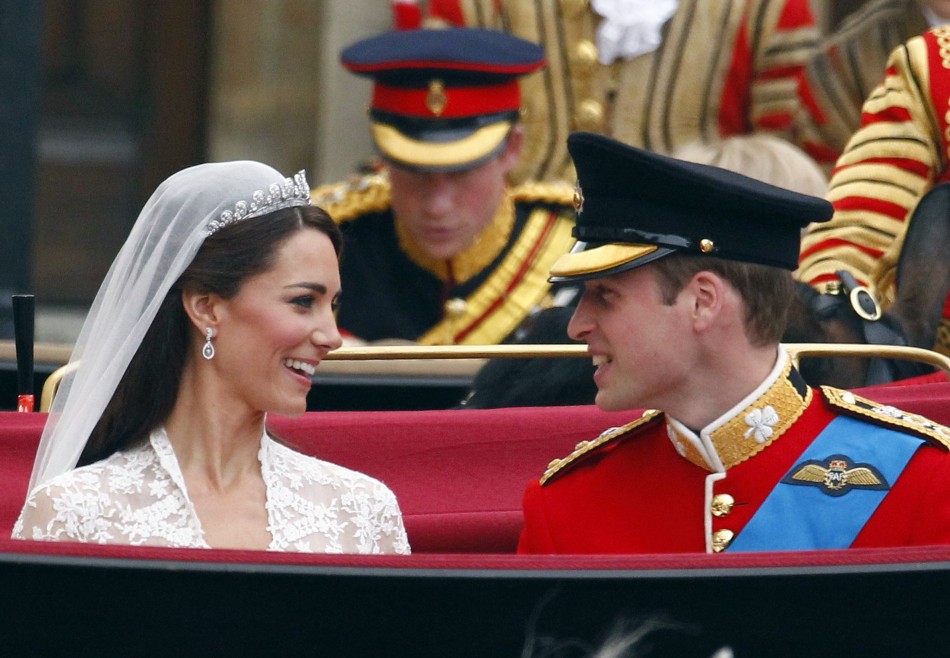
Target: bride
(215, 312)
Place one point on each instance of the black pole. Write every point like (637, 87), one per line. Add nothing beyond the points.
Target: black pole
(23, 314)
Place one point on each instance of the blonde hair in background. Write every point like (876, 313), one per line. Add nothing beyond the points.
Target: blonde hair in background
(761, 156)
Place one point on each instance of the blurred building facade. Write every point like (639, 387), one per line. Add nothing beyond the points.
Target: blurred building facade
(128, 92)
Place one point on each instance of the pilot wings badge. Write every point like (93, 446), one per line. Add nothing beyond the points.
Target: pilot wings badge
(836, 475)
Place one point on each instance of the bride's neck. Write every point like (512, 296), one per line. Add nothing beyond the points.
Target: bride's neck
(213, 433)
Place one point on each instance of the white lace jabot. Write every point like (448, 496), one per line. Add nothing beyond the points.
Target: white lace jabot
(139, 497)
(630, 28)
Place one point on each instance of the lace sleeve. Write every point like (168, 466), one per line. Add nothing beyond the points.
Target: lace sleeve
(391, 532)
(53, 513)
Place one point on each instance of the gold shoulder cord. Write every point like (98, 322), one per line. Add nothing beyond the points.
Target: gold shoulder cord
(350, 199)
(512, 291)
(584, 448)
(884, 414)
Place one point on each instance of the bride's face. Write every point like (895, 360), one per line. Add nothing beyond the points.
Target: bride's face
(278, 328)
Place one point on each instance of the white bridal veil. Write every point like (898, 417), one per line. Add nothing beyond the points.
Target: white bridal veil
(182, 212)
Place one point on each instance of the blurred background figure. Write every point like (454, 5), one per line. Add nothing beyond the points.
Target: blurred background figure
(850, 63)
(439, 249)
(897, 155)
(761, 156)
(655, 75)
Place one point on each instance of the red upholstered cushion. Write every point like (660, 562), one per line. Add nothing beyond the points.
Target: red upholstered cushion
(19, 435)
(928, 399)
(459, 475)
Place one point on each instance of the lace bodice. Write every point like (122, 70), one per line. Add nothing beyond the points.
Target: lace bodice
(139, 497)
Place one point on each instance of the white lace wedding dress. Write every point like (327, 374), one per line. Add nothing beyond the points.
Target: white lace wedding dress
(139, 497)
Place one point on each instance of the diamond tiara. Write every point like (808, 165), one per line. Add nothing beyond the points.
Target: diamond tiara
(293, 192)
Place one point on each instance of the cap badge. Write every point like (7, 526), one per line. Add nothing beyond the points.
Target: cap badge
(578, 198)
(436, 100)
(836, 475)
(706, 245)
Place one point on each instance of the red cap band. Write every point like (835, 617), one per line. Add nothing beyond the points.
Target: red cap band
(447, 102)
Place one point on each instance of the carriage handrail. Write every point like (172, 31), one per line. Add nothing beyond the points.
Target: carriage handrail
(903, 352)
(395, 352)
(795, 350)
(388, 352)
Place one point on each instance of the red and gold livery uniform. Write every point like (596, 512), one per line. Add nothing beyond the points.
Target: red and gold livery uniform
(899, 153)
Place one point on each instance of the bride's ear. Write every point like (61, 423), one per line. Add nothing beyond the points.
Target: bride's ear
(201, 308)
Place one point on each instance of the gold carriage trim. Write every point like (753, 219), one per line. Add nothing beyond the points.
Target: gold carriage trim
(888, 416)
(584, 448)
(514, 289)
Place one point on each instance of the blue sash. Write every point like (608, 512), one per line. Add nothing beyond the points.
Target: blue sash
(803, 517)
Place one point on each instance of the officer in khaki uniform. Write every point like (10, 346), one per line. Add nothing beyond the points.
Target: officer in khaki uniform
(439, 248)
(687, 272)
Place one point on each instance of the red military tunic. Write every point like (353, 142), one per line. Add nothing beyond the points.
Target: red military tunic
(650, 487)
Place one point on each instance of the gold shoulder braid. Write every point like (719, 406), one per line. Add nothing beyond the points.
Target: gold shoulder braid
(559, 193)
(350, 199)
(888, 416)
(584, 448)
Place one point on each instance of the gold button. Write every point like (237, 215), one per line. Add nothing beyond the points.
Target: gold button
(455, 307)
(722, 505)
(589, 115)
(721, 540)
(584, 57)
(574, 8)
(578, 199)
(706, 245)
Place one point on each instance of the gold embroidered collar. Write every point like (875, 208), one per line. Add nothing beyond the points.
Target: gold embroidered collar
(750, 427)
(476, 257)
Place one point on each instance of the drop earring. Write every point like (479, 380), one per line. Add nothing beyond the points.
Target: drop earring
(208, 350)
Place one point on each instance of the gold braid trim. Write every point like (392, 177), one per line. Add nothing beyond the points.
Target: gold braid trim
(584, 448)
(888, 416)
(755, 428)
(358, 196)
(515, 288)
(559, 193)
(475, 257)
